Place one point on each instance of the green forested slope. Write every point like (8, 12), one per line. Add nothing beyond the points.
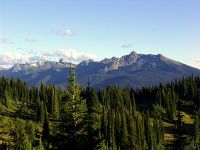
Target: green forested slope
(164, 116)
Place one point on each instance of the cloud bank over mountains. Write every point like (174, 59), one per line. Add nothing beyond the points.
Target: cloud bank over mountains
(22, 56)
(8, 59)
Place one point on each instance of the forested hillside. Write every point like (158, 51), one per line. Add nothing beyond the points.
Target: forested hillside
(112, 118)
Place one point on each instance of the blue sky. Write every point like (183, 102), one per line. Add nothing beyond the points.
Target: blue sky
(49, 29)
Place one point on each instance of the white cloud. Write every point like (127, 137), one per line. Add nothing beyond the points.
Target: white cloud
(4, 40)
(10, 58)
(35, 59)
(70, 54)
(29, 39)
(126, 45)
(65, 32)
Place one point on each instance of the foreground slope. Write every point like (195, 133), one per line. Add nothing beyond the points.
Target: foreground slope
(160, 117)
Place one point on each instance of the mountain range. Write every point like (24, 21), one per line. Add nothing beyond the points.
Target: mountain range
(133, 69)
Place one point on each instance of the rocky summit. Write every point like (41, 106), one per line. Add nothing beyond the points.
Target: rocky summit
(134, 69)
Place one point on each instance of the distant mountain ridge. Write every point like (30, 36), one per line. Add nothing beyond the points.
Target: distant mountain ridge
(41, 65)
(134, 69)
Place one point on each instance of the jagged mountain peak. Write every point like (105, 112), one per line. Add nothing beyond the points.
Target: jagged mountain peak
(133, 53)
(133, 69)
(109, 63)
(130, 59)
(86, 62)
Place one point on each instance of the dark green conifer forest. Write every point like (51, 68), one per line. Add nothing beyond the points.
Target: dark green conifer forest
(113, 118)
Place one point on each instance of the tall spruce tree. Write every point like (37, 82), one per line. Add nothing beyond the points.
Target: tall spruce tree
(74, 111)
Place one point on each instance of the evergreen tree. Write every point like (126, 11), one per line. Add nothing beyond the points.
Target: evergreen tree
(55, 103)
(40, 112)
(74, 111)
(197, 100)
(45, 132)
(179, 139)
(22, 138)
(124, 133)
(40, 146)
(31, 132)
(106, 120)
(7, 99)
(197, 130)
(93, 119)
